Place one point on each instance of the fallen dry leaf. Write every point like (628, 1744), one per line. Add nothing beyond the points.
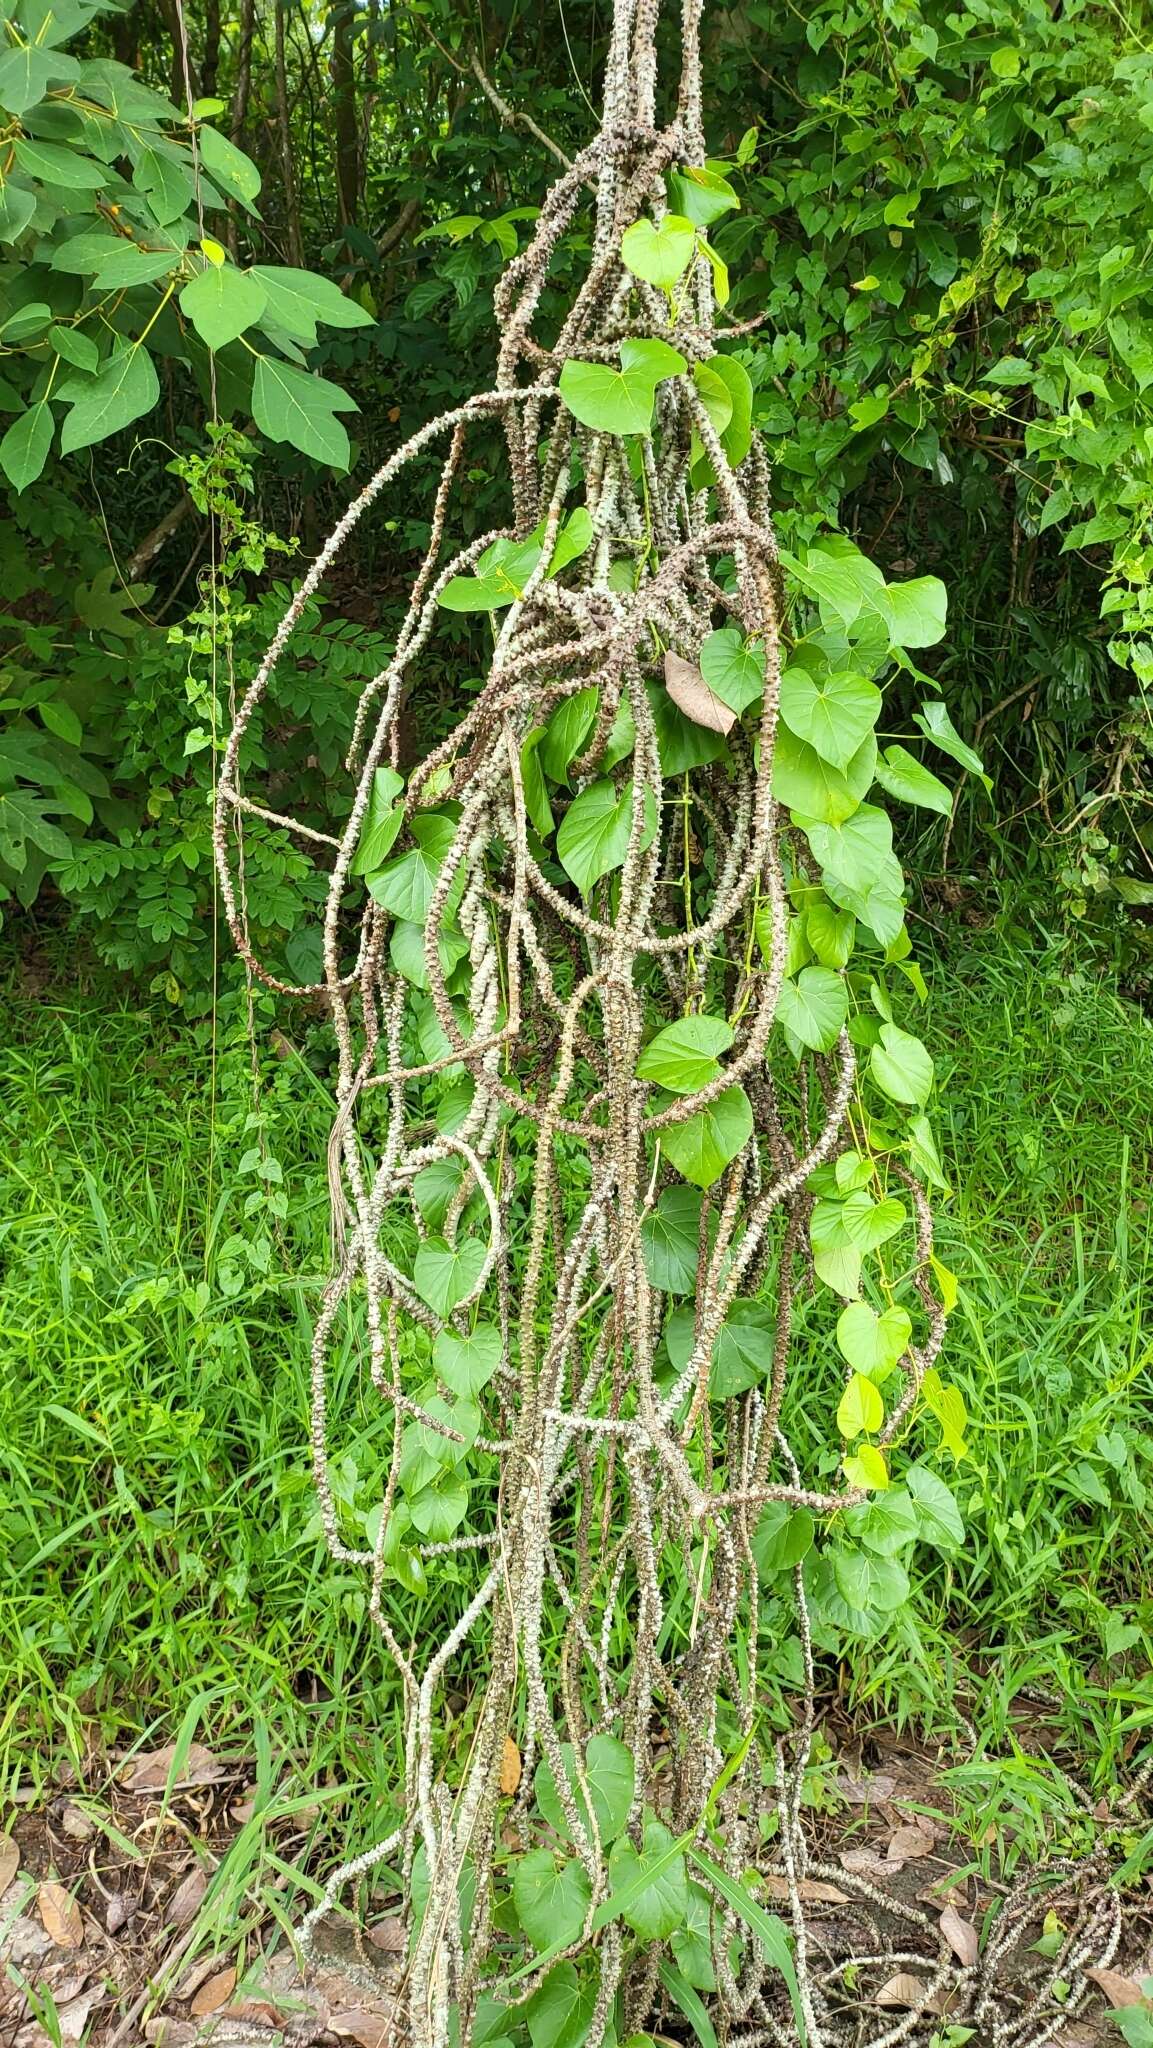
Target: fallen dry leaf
(903, 1989)
(60, 1915)
(244, 1809)
(119, 1910)
(199, 1973)
(869, 1863)
(863, 1791)
(388, 1936)
(184, 1904)
(509, 1767)
(166, 2032)
(74, 1823)
(961, 1936)
(692, 695)
(9, 1861)
(214, 1992)
(811, 1888)
(1118, 1989)
(73, 2014)
(149, 1769)
(256, 2009)
(909, 1842)
(368, 2029)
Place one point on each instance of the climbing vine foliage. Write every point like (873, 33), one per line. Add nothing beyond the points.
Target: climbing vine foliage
(621, 988)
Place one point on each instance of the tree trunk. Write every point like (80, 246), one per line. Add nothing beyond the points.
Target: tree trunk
(345, 114)
(284, 126)
(243, 69)
(210, 68)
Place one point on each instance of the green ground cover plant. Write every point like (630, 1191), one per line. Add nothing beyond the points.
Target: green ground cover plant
(162, 1553)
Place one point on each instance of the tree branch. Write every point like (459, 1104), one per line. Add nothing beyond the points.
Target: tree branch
(512, 118)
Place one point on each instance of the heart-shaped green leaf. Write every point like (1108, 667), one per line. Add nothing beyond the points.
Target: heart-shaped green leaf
(444, 1275)
(659, 252)
(872, 1343)
(620, 401)
(683, 1056)
(702, 1146)
(594, 834)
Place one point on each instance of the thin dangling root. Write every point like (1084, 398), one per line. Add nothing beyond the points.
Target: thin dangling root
(608, 1483)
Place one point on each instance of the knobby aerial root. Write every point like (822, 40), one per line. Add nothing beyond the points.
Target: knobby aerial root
(608, 1476)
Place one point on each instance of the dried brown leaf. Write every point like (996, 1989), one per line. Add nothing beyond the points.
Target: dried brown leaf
(961, 1936)
(166, 2032)
(244, 1809)
(60, 1915)
(9, 1861)
(510, 1767)
(119, 1910)
(184, 1904)
(73, 2014)
(74, 1823)
(1118, 1989)
(692, 695)
(907, 1843)
(903, 1989)
(198, 1974)
(149, 1769)
(388, 1936)
(810, 1888)
(869, 1863)
(214, 1992)
(368, 2028)
(867, 1790)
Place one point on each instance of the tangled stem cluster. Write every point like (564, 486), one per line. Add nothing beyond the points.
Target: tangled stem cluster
(608, 1480)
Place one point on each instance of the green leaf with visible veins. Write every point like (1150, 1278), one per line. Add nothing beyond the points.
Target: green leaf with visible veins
(55, 164)
(289, 405)
(610, 1775)
(654, 1909)
(25, 75)
(551, 1904)
(222, 302)
(834, 711)
(659, 252)
(814, 1007)
(128, 264)
(594, 834)
(297, 300)
(166, 185)
(702, 1146)
(24, 449)
(227, 166)
(903, 776)
(620, 401)
(812, 786)
(445, 1275)
(683, 1056)
(126, 387)
(17, 207)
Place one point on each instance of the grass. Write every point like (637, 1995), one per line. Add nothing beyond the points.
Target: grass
(160, 1567)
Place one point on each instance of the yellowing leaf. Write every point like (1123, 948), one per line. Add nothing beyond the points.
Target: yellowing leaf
(946, 1283)
(213, 250)
(867, 1467)
(861, 1407)
(947, 1407)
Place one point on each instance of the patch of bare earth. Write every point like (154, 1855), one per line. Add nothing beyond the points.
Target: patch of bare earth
(106, 1929)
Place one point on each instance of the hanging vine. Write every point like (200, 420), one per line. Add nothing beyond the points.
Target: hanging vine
(619, 1079)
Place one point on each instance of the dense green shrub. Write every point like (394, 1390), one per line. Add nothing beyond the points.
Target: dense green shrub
(943, 221)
